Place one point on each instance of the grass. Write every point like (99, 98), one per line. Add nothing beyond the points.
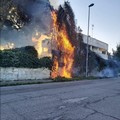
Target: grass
(62, 79)
(30, 82)
(27, 82)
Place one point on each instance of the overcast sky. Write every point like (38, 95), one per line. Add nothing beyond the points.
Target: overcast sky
(105, 16)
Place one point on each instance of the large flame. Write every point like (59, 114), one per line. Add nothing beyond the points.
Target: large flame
(63, 57)
(62, 64)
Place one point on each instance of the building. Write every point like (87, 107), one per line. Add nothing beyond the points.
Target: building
(97, 46)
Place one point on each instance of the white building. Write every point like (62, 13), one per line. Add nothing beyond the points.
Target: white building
(97, 46)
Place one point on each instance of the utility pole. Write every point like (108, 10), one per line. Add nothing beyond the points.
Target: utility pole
(88, 38)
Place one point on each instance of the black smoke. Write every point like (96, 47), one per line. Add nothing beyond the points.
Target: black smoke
(34, 15)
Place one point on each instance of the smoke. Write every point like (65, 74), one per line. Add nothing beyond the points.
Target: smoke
(56, 3)
(105, 68)
(40, 19)
(107, 72)
(112, 69)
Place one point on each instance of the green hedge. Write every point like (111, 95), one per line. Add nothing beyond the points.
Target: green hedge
(22, 59)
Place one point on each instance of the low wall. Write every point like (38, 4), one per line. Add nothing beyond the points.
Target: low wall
(23, 73)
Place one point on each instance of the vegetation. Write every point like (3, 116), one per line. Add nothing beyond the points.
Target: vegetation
(62, 79)
(117, 52)
(58, 79)
(65, 16)
(25, 57)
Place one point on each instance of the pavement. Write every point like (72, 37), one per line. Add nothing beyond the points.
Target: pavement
(76, 100)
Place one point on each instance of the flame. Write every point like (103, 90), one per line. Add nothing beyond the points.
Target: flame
(37, 39)
(7, 46)
(62, 66)
(63, 61)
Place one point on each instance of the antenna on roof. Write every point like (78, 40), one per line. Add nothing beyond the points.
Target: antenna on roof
(92, 30)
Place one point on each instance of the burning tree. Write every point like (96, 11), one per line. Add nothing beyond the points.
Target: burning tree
(64, 40)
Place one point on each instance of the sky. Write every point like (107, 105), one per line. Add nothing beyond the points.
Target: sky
(104, 15)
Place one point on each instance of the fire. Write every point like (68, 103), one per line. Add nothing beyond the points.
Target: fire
(37, 39)
(62, 63)
(62, 49)
(7, 46)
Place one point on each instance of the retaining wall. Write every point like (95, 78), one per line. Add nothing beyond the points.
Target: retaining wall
(23, 73)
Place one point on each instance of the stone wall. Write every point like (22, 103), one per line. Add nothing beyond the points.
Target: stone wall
(23, 73)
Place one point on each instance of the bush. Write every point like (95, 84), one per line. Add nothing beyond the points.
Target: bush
(22, 59)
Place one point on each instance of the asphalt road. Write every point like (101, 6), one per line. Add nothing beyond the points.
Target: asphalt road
(78, 100)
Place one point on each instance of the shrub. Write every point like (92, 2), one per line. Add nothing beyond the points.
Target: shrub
(23, 58)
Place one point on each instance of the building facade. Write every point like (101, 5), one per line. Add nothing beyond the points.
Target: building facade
(97, 46)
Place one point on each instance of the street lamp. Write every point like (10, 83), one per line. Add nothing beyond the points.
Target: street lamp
(88, 38)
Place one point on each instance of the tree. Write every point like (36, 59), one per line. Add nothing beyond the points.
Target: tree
(12, 15)
(31, 50)
(117, 52)
(65, 16)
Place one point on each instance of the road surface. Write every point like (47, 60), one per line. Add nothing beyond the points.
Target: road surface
(78, 100)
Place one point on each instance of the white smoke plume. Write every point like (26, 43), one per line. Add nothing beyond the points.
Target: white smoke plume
(56, 3)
